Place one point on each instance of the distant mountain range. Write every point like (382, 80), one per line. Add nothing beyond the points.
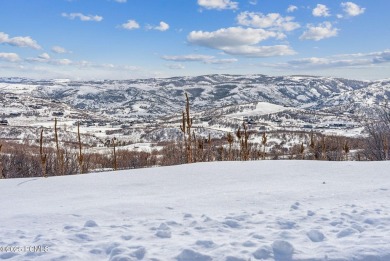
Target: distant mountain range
(157, 97)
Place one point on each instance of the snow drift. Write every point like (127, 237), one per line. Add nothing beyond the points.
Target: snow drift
(264, 210)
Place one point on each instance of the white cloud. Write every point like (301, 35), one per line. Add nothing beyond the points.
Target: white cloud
(352, 9)
(188, 58)
(292, 8)
(271, 21)
(44, 56)
(232, 36)
(207, 59)
(375, 57)
(130, 25)
(260, 51)
(253, 2)
(62, 62)
(161, 27)
(58, 49)
(322, 31)
(321, 11)
(65, 68)
(120, 1)
(3, 37)
(218, 4)
(19, 41)
(337, 61)
(240, 41)
(221, 61)
(82, 17)
(176, 66)
(9, 57)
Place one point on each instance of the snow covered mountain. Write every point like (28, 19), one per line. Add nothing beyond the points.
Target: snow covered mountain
(157, 97)
(220, 103)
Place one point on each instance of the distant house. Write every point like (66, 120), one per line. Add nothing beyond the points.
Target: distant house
(3, 122)
(58, 114)
(338, 125)
(251, 121)
(15, 114)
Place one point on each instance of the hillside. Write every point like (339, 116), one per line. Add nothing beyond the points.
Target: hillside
(157, 97)
(233, 211)
(148, 110)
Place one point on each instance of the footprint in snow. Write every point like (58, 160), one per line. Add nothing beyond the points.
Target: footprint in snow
(126, 237)
(336, 222)
(163, 234)
(187, 216)
(90, 223)
(286, 224)
(231, 223)
(283, 250)
(295, 206)
(205, 243)
(249, 244)
(263, 252)
(346, 232)
(189, 254)
(81, 238)
(257, 236)
(163, 231)
(7, 255)
(315, 235)
(68, 227)
(127, 254)
(310, 213)
(233, 258)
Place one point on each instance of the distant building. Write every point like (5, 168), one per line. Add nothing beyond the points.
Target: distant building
(3, 122)
(58, 114)
(15, 114)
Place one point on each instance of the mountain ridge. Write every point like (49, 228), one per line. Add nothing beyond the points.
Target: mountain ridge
(156, 97)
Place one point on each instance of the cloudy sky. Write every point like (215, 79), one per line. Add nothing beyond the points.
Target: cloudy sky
(123, 39)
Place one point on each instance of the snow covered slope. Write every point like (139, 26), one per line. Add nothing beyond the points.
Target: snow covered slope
(264, 210)
(160, 97)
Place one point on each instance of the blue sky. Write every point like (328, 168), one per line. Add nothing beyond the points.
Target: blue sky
(124, 39)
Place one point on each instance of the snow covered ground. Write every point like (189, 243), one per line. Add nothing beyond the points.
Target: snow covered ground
(260, 108)
(230, 211)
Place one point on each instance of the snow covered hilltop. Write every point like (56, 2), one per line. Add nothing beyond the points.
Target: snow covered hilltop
(228, 211)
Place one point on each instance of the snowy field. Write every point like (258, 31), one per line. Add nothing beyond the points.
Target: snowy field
(230, 211)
